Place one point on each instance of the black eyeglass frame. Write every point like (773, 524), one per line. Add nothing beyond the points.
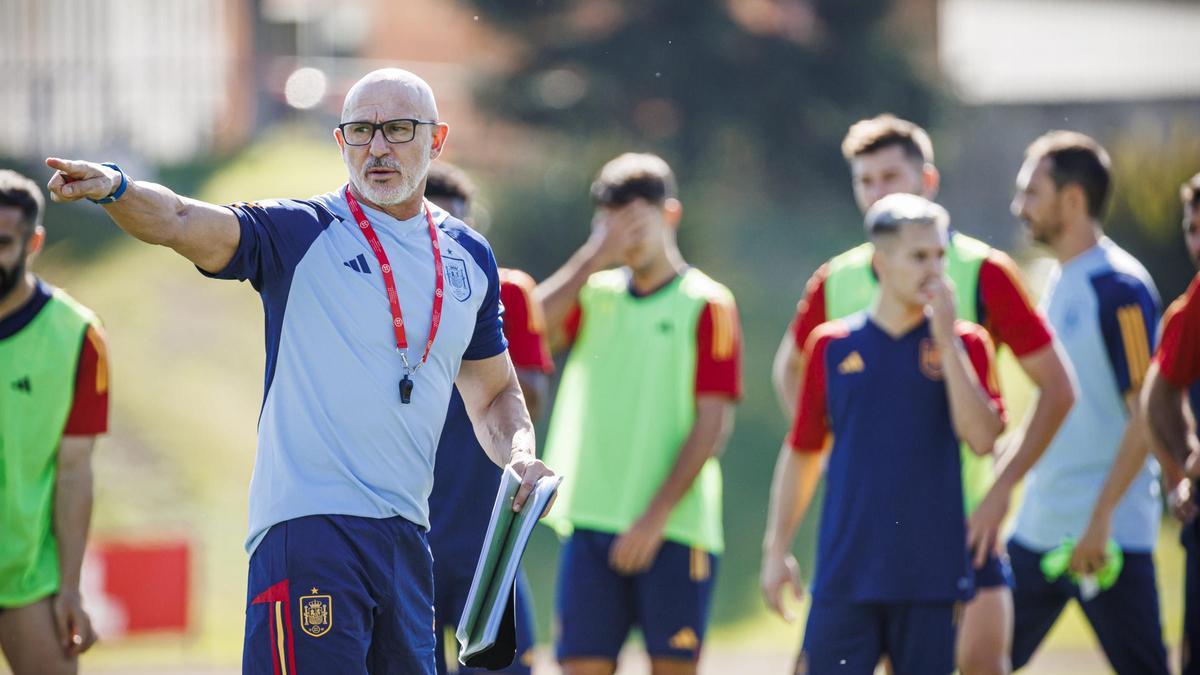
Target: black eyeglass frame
(379, 128)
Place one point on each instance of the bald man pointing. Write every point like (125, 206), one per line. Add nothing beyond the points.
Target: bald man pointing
(376, 304)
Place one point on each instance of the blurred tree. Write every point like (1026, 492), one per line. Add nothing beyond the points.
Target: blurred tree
(779, 78)
(748, 100)
(1150, 161)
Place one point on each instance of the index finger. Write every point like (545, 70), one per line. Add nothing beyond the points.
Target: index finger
(67, 165)
(523, 492)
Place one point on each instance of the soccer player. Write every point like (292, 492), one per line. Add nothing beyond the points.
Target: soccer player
(1095, 480)
(53, 404)
(889, 155)
(899, 387)
(463, 476)
(376, 306)
(644, 408)
(1175, 375)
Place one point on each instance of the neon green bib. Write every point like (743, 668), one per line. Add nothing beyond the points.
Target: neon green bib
(626, 404)
(37, 372)
(851, 287)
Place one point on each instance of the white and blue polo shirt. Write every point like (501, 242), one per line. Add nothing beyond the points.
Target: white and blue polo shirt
(333, 436)
(1105, 310)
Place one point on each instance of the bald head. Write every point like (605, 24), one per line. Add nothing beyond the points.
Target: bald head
(389, 89)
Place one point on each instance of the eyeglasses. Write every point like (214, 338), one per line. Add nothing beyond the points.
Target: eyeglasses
(394, 131)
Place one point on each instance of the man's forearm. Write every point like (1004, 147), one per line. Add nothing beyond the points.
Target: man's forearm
(975, 420)
(72, 517)
(1131, 457)
(559, 293)
(792, 488)
(504, 428)
(786, 373)
(205, 234)
(707, 437)
(1163, 406)
(150, 212)
(1053, 402)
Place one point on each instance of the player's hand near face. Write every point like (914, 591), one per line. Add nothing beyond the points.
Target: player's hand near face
(616, 231)
(939, 297)
(780, 573)
(635, 549)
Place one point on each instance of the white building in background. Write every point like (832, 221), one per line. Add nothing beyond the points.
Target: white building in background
(162, 79)
(1042, 51)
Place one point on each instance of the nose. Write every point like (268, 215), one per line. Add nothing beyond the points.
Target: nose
(1018, 205)
(379, 145)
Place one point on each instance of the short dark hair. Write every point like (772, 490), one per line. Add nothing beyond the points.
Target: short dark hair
(1189, 192)
(634, 175)
(21, 192)
(449, 181)
(1076, 158)
(887, 215)
(882, 131)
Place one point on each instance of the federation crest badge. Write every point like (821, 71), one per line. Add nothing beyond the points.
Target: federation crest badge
(457, 280)
(931, 360)
(316, 614)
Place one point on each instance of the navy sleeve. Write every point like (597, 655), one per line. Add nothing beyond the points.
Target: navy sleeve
(274, 237)
(488, 339)
(1129, 312)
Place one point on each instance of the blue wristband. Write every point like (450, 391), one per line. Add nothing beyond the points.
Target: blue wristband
(116, 194)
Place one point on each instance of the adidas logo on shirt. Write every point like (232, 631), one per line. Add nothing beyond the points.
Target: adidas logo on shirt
(851, 364)
(358, 264)
(23, 385)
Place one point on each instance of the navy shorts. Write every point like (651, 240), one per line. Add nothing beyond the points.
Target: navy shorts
(995, 572)
(451, 583)
(849, 638)
(328, 594)
(1190, 660)
(597, 607)
(1125, 617)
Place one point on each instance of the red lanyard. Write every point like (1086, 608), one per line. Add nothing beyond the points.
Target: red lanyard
(390, 283)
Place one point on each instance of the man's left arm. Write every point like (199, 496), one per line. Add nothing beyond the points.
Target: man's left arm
(1012, 319)
(72, 516)
(1089, 556)
(73, 489)
(494, 402)
(637, 547)
(717, 389)
(1164, 402)
(1128, 322)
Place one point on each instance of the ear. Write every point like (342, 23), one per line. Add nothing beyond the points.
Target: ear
(879, 261)
(337, 136)
(440, 132)
(1073, 199)
(931, 180)
(36, 241)
(673, 212)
